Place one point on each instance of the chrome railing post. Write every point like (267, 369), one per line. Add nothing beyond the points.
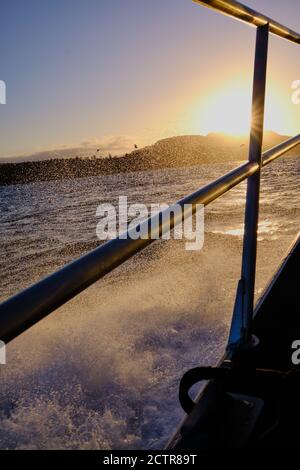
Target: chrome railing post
(240, 334)
(23, 310)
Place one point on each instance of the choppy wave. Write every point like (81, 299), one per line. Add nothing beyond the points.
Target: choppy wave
(102, 372)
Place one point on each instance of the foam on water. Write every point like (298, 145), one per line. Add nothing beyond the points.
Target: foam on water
(103, 371)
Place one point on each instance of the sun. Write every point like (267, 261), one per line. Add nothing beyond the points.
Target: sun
(227, 111)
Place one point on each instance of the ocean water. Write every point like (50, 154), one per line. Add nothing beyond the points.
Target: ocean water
(102, 372)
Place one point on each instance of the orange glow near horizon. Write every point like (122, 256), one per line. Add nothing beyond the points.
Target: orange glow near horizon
(228, 111)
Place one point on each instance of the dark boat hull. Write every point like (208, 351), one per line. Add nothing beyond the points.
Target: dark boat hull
(256, 402)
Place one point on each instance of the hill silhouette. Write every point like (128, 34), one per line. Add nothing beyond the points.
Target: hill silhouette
(180, 151)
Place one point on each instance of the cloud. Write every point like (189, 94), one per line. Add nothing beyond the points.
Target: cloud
(112, 144)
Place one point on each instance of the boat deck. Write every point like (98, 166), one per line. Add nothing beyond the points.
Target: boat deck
(250, 409)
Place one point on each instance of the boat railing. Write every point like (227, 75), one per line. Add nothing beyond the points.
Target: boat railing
(23, 310)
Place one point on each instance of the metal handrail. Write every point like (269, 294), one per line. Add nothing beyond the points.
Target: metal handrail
(26, 308)
(243, 13)
(23, 310)
(240, 332)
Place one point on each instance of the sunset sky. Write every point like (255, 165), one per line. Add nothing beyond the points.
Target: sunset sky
(135, 71)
